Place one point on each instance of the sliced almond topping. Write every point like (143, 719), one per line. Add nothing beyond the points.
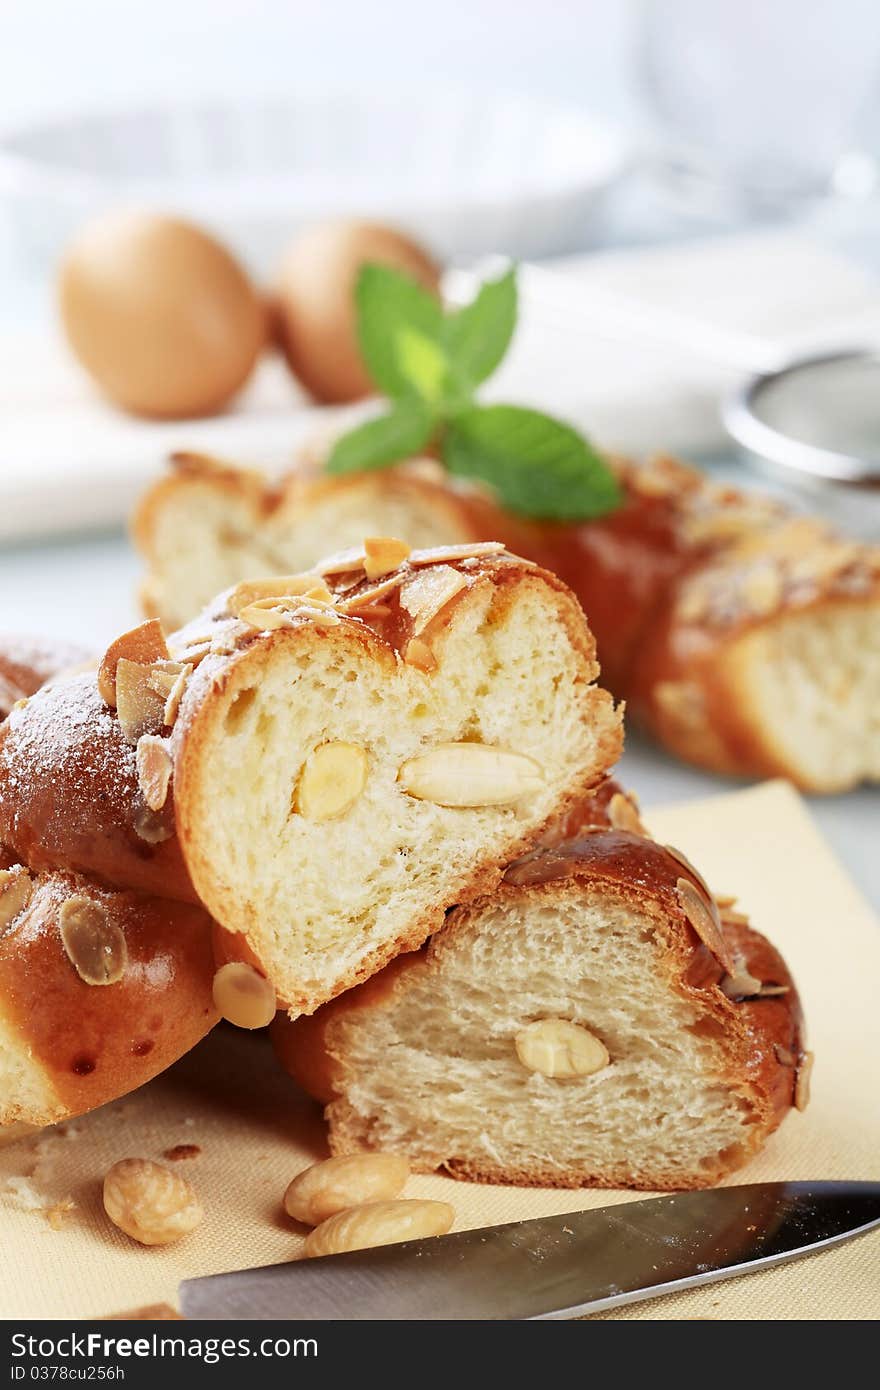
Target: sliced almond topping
(208, 465)
(151, 826)
(802, 1081)
(784, 1056)
(154, 768)
(282, 586)
(266, 618)
(693, 604)
(740, 983)
(94, 943)
(685, 863)
(195, 653)
(270, 614)
(144, 645)
(139, 707)
(317, 613)
(16, 888)
(470, 774)
(424, 596)
(342, 561)
(703, 917)
(382, 554)
(169, 679)
(439, 554)
(418, 653)
(762, 590)
(623, 814)
(369, 596)
(331, 781)
(243, 996)
(175, 695)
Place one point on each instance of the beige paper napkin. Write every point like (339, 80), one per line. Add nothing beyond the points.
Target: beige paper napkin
(255, 1131)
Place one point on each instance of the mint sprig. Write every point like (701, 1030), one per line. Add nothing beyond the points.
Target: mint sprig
(430, 363)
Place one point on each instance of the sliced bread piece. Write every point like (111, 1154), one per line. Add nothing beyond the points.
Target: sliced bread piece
(328, 761)
(594, 1022)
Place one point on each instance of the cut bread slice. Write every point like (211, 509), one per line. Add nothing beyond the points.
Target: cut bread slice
(326, 761)
(208, 525)
(745, 638)
(576, 1028)
(355, 764)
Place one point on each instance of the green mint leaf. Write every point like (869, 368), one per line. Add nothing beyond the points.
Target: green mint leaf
(423, 362)
(404, 431)
(388, 302)
(477, 336)
(538, 466)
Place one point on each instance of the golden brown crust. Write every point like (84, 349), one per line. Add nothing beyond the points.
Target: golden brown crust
(675, 581)
(69, 794)
(672, 583)
(26, 663)
(762, 1033)
(92, 1043)
(237, 658)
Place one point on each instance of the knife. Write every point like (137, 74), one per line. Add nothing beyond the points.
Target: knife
(556, 1266)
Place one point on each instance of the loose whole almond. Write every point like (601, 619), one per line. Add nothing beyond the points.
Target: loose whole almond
(143, 644)
(470, 774)
(140, 708)
(339, 1183)
(243, 996)
(331, 781)
(382, 554)
(154, 767)
(379, 1223)
(16, 888)
(703, 917)
(150, 1203)
(94, 943)
(557, 1048)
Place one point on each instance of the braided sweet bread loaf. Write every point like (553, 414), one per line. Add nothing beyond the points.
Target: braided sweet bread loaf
(99, 989)
(326, 762)
(598, 1021)
(744, 638)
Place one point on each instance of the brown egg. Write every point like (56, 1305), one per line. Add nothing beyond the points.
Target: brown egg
(315, 301)
(160, 314)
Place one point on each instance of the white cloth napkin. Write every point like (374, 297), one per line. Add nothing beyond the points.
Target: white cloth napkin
(637, 347)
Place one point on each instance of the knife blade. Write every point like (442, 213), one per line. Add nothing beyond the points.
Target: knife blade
(555, 1266)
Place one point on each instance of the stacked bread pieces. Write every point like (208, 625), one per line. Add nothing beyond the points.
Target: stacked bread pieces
(746, 639)
(335, 766)
(325, 764)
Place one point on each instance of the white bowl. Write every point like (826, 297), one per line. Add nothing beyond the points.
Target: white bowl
(465, 173)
